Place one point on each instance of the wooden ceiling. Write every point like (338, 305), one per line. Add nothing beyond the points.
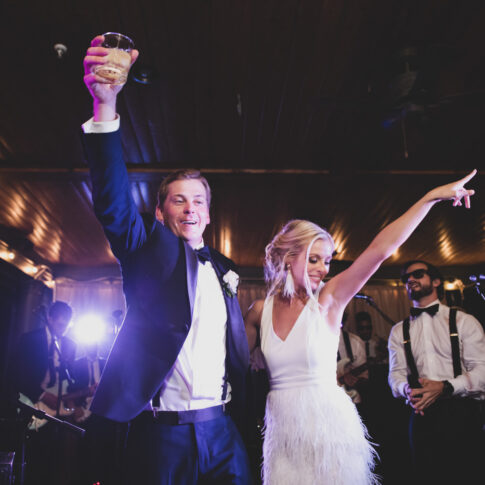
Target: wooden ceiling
(338, 111)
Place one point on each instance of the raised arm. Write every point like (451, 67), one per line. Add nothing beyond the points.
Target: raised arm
(112, 198)
(252, 322)
(345, 285)
(104, 94)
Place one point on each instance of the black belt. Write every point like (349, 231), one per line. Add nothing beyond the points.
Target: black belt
(184, 417)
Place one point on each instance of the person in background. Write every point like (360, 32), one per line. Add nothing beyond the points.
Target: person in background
(437, 364)
(41, 373)
(352, 370)
(42, 354)
(375, 347)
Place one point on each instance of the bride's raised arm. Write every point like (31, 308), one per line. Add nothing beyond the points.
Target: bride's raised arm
(346, 284)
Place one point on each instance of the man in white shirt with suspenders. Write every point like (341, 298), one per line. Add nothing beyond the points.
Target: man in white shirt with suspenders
(437, 363)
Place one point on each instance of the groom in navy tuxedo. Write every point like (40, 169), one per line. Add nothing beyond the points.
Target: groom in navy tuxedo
(178, 365)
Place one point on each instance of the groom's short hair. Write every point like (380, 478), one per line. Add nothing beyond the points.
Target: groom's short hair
(183, 174)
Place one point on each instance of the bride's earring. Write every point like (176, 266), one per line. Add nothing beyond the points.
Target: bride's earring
(289, 288)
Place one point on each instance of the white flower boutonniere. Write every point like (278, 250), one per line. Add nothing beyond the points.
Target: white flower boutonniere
(231, 282)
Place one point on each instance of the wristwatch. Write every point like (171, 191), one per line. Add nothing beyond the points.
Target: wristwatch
(448, 389)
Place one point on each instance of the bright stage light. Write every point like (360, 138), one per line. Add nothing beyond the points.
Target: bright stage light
(89, 329)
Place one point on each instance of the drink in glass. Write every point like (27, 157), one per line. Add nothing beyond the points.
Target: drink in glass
(118, 61)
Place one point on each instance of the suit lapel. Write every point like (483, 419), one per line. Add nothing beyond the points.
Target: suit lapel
(236, 341)
(192, 270)
(236, 334)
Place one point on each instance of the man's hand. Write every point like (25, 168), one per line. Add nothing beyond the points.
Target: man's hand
(349, 379)
(352, 380)
(104, 94)
(421, 398)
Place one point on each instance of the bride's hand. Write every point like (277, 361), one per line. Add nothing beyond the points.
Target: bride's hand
(455, 191)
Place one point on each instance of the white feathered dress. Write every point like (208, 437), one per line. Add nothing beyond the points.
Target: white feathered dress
(313, 433)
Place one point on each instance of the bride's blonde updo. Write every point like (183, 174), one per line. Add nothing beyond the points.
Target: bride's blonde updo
(290, 241)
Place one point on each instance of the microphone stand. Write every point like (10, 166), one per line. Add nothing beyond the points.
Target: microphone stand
(62, 372)
(476, 280)
(373, 304)
(29, 411)
(479, 291)
(26, 413)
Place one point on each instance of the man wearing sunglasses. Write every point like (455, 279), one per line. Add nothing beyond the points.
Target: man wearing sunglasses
(437, 363)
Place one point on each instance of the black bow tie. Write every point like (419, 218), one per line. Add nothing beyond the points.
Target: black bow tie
(203, 254)
(431, 310)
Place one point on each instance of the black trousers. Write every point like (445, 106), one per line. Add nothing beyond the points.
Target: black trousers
(447, 443)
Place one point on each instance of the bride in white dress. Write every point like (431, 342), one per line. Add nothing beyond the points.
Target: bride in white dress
(313, 433)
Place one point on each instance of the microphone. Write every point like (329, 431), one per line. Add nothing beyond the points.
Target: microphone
(361, 296)
(475, 278)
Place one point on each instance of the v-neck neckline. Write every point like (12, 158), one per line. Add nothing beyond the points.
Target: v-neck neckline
(294, 324)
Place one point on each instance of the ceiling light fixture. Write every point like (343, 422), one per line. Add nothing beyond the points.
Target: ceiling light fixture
(61, 50)
(38, 272)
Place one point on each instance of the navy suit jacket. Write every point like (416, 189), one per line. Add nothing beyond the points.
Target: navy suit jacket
(159, 281)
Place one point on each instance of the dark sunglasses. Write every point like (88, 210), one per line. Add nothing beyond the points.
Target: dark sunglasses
(416, 274)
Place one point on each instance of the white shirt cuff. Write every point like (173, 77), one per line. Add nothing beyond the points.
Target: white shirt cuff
(92, 126)
(401, 387)
(460, 385)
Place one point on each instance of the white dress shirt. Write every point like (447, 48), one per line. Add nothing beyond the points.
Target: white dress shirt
(92, 126)
(196, 379)
(431, 348)
(358, 349)
(372, 344)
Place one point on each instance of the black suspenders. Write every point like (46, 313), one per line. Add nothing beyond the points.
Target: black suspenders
(455, 350)
(348, 347)
(455, 343)
(413, 375)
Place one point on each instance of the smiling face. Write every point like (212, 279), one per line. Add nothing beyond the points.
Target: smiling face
(185, 210)
(316, 266)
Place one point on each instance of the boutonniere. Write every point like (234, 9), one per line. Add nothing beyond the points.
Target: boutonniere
(230, 283)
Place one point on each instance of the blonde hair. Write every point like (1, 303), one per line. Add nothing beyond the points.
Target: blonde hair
(290, 241)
